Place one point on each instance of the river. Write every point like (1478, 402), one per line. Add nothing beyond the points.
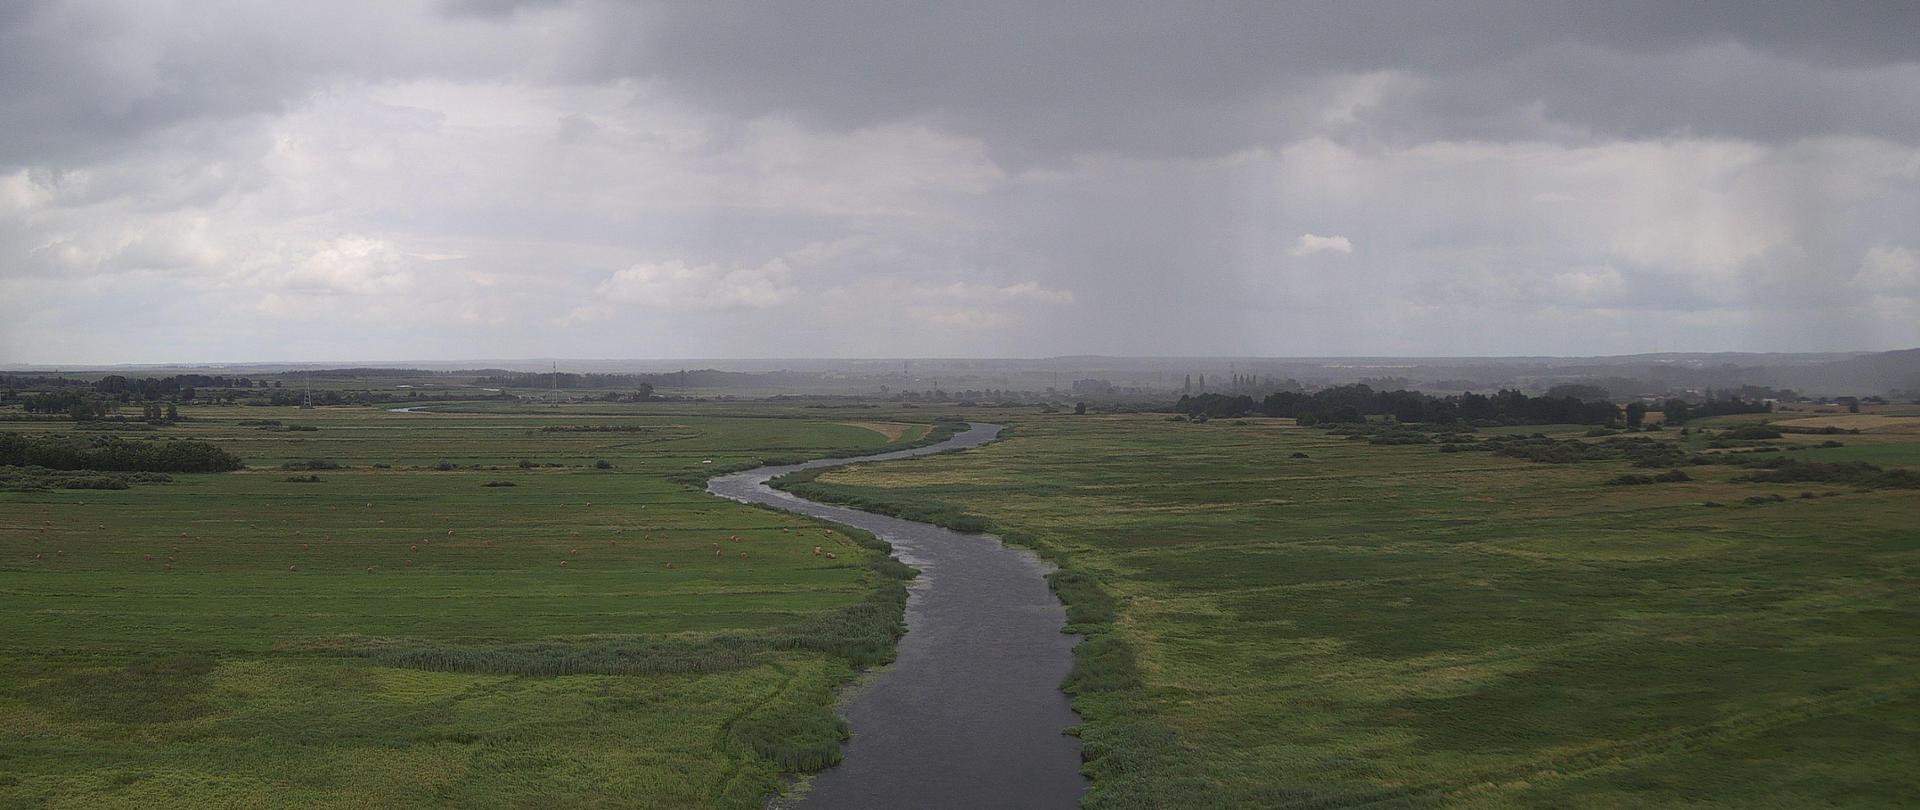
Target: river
(969, 714)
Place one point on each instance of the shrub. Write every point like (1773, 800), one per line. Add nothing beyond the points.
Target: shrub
(499, 484)
(603, 464)
(1086, 601)
(1857, 473)
(1665, 477)
(114, 454)
(1103, 663)
(527, 464)
(312, 464)
(1750, 432)
(302, 479)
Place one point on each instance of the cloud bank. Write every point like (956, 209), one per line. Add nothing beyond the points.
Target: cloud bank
(458, 178)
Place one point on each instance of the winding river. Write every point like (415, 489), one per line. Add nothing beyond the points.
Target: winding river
(969, 714)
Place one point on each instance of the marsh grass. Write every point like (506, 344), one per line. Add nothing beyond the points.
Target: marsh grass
(1410, 625)
(400, 636)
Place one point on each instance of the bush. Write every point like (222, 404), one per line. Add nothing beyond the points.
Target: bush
(445, 466)
(1102, 663)
(312, 464)
(603, 464)
(1750, 433)
(527, 464)
(113, 454)
(302, 479)
(1086, 601)
(1665, 477)
(499, 484)
(1857, 473)
(303, 428)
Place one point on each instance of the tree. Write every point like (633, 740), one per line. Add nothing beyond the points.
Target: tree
(173, 412)
(1080, 407)
(1580, 391)
(1636, 414)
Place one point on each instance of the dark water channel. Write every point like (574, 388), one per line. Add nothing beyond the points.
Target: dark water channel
(970, 714)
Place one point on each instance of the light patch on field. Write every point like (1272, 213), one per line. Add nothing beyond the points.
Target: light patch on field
(892, 430)
(1648, 547)
(1864, 422)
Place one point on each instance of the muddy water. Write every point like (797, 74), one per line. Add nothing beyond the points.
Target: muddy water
(970, 714)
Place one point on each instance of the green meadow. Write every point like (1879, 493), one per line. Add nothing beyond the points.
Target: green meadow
(378, 626)
(1289, 618)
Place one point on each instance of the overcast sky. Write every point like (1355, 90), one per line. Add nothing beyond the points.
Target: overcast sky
(447, 179)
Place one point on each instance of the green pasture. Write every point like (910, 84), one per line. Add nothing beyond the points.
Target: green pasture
(1392, 626)
(227, 640)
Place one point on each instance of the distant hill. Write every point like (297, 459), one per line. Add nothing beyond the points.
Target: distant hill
(1880, 373)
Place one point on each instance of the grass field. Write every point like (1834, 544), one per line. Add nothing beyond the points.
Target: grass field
(380, 636)
(1371, 626)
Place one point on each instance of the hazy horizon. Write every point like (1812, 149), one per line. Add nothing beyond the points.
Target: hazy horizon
(204, 183)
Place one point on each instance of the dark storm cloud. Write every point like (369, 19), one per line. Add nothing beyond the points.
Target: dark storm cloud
(1170, 78)
(1033, 80)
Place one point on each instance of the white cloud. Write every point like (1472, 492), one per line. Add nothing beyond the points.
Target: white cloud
(678, 285)
(1024, 291)
(1309, 244)
(961, 318)
(1889, 268)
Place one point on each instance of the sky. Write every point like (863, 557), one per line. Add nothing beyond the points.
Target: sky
(249, 180)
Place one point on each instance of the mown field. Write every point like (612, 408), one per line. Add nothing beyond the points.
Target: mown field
(397, 634)
(1303, 620)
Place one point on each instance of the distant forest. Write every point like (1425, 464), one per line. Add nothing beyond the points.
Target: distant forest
(1354, 403)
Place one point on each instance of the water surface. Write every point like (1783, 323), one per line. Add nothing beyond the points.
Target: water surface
(970, 713)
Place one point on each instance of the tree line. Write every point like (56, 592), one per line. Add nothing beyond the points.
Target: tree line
(1356, 402)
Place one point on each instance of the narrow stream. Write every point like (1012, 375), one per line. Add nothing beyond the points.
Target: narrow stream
(970, 714)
